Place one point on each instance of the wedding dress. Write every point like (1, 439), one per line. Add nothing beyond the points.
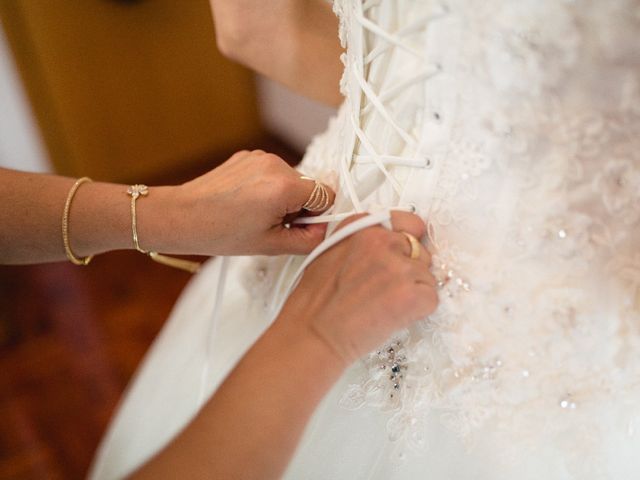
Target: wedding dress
(513, 128)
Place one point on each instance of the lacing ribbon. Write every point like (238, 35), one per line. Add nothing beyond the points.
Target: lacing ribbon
(338, 217)
(376, 102)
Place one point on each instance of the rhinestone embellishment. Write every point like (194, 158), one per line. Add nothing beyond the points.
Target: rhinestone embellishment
(394, 362)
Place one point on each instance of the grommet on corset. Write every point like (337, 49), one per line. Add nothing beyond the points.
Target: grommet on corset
(428, 163)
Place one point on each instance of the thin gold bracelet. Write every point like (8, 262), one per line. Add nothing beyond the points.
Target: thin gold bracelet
(65, 225)
(135, 192)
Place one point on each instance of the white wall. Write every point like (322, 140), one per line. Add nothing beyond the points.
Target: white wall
(21, 145)
(293, 118)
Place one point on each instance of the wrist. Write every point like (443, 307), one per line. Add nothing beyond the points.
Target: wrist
(99, 219)
(297, 334)
(159, 221)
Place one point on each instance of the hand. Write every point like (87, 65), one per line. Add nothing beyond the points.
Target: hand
(355, 295)
(238, 208)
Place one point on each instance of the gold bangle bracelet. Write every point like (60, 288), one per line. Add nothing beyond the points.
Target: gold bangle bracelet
(65, 225)
(135, 192)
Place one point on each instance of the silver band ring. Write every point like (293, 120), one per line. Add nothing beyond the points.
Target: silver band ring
(319, 199)
(415, 246)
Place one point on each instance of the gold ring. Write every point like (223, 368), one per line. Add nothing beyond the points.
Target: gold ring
(415, 245)
(319, 199)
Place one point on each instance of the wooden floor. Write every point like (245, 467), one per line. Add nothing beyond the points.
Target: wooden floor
(70, 339)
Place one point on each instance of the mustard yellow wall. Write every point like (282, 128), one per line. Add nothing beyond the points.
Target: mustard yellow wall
(127, 90)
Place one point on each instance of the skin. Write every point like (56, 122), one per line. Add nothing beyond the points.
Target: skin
(343, 308)
(241, 207)
(293, 42)
(349, 301)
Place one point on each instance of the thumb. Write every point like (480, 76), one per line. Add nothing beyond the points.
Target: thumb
(299, 240)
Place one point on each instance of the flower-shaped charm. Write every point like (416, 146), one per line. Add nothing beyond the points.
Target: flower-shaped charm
(138, 190)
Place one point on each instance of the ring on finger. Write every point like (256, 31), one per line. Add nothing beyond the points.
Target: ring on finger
(318, 200)
(414, 243)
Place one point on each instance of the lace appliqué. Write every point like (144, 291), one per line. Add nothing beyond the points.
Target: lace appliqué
(535, 226)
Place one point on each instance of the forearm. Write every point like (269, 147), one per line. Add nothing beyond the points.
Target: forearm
(31, 207)
(251, 426)
(294, 42)
(238, 208)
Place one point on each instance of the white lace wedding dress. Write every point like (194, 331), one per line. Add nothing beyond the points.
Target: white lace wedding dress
(513, 127)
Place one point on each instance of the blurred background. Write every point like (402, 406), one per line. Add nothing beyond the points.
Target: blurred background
(127, 91)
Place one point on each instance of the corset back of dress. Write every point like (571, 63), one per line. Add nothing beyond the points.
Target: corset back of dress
(514, 130)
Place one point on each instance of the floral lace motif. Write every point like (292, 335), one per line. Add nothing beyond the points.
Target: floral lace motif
(535, 225)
